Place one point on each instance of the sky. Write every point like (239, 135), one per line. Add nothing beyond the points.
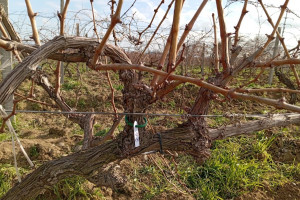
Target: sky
(254, 23)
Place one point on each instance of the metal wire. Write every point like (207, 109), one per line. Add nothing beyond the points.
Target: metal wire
(148, 114)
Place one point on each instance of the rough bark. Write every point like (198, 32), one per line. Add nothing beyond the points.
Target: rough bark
(276, 120)
(29, 65)
(87, 163)
(85, 121)
(89, 122)
(192, 137)
(286, 81)
(9, 27)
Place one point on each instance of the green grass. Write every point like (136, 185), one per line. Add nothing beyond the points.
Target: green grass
(4, 137)
(102, 132)
(7, 177)
(70, 85)
(7, 174)
(158, 184)
(118, 87)
(34, 151)
(236, 165)
(70, 188)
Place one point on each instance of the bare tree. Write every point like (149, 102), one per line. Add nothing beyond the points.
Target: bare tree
(193, 136)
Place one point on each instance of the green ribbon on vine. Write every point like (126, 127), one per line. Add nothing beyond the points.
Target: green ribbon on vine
(138, 126)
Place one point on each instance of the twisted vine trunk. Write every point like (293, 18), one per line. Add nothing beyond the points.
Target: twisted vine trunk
(29, 65)
(192, 137)
(88, 162)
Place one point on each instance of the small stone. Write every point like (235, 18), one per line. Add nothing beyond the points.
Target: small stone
(61, 144)
(145, 157)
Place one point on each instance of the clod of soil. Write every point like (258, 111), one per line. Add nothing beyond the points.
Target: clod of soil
(289, 191)
(57, 132)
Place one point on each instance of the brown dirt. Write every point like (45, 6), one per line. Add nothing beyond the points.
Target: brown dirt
(59, 140)
(288, 191)
(40, 147)
(287, 151)
(286, 147)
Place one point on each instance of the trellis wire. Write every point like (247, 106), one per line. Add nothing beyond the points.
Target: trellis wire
(140, 114)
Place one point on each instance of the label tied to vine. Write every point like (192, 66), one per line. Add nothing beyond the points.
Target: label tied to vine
(136, 134)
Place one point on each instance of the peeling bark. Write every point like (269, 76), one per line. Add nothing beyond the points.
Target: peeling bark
(192, 137)
(256, 125)
(87, 163)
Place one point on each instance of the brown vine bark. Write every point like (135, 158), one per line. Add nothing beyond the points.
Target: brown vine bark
(192, 137)
(87, 163)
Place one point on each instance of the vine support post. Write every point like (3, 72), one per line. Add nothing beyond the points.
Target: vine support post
(77, 30)
(275, 52)
(6, 56)
(62, 5)
(203, 60)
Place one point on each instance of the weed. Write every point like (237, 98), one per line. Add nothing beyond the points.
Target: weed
(102, 132)
(172, 104)
(233, 169)
(81, 103)
(77, 130)
(7, 176)
(34, 151)
(119, 87)
(4, 137)
(70, 188)
(70, 85)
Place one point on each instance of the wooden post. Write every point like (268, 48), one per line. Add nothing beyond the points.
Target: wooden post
(77, 30)
(8, 105)
(203, 60)
(275, 52)
(62, 71)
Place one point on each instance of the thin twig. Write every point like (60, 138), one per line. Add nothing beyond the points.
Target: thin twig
(112, 13)
(224, 38)
(161, 63)
(216, 45)
(261, 72)
(94, 21)
(128, 9)
(109, 135)
(35, 101)
(275, 27)
(112, 93)
(271, 90)
(150, 24)
(114, 20)
(154, 33)
(31, 14)
(3, 31)
(281, 39)
(15, 102)
(62, 17)
(237, 27)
